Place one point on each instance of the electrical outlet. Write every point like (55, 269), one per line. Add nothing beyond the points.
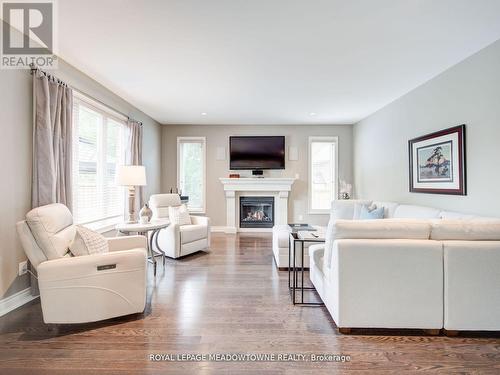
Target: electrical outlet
(23, 268)
(301, 217)
(297, 176)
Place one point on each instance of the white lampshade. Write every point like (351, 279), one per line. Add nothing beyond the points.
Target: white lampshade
(131, 175)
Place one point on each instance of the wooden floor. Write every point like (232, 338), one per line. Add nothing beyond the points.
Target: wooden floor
(232, 300)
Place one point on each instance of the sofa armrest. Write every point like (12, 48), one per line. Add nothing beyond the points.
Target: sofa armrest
(93, 287)
(200, 220)
(399, 282)
(127, 243)
(203, 220)
(68, 268)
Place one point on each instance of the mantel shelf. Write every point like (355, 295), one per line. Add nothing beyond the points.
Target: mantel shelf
(257, 184)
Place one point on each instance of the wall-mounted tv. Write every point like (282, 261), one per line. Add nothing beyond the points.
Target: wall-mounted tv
(257, 152)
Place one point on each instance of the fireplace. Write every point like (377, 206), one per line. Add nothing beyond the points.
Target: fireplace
(256, 212)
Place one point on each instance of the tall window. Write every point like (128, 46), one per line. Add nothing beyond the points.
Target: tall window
(98, 139)
(191, 156)
(322, 173)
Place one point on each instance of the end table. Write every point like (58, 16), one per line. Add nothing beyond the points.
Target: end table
(154, 226)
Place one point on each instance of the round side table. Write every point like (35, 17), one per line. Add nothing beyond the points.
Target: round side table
(154, 226)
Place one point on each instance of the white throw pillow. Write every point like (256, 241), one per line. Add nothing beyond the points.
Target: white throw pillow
(88, 242)
(179, 215)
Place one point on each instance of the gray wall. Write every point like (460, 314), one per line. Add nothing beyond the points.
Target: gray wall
(467, 93)
(16, 151)
(217, 136)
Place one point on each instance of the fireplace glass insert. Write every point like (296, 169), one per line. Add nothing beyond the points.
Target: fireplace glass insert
(256, 212)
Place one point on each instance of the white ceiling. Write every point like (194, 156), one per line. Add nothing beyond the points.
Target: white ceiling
(270, 61)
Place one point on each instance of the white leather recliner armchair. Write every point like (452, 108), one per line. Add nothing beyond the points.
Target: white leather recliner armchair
(84, 288)
(179, 240)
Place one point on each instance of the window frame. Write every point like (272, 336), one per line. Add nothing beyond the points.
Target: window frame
(107, 223)
(203, 141)
(325, 139)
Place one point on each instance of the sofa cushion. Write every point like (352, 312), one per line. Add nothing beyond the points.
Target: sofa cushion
(159, 204)
(193, 232)
(160, 212)
(406, 211)
(381, 229)
(452, 215)
(466, 230)
(53, 229)
(88, 242)
(346, 209)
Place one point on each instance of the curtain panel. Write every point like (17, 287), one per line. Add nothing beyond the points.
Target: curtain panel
(52, 141)
(133, 156)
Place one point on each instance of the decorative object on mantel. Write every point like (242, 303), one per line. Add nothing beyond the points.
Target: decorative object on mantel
(345, 190)
(437, 162)
(145, 214)
(234, 175)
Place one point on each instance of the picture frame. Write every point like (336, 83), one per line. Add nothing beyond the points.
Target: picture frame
(437, 162)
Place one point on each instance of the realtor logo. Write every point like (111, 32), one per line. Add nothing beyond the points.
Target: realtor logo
(28, 34)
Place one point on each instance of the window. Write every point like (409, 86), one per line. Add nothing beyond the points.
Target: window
(322, 173)
(191, 156)
(98, 148)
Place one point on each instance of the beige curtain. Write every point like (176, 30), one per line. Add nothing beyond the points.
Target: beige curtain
(133, 156)
(52, 141)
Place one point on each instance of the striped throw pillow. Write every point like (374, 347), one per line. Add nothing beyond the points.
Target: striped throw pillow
(88, 242)
(179, 215)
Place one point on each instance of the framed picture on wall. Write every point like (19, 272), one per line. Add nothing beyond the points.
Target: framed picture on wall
(437, 162)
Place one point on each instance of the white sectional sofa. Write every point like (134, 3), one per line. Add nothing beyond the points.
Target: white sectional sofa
(419, 268)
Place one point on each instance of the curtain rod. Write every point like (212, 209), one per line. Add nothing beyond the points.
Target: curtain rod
(34, 68)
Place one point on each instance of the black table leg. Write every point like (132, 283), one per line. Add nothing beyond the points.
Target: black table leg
(289, 260)
(302, 269)
(295, 276)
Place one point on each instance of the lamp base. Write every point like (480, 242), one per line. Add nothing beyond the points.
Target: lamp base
(131, 204)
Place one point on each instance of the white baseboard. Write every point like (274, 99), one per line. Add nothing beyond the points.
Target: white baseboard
(255, 230)
(235, 230)
(16, 300)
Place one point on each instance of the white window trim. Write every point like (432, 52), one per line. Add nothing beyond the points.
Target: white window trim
(102, 225)
(203, 140)
(328, 139)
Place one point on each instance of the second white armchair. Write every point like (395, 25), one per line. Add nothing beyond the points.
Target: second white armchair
(180, 240)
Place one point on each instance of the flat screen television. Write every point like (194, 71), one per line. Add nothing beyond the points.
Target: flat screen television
(257, 152)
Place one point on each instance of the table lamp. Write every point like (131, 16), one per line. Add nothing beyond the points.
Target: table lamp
(131, 176)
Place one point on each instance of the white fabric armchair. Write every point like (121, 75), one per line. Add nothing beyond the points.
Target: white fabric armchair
(180, 240)
(85, 288)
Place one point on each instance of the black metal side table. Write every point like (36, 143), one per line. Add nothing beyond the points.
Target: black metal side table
(293, 271)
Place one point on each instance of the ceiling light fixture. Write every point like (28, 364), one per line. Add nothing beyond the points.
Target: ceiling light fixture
(203, 113)
(312, 113)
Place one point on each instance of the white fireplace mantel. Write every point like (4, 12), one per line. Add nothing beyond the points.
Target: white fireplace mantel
(236, 187)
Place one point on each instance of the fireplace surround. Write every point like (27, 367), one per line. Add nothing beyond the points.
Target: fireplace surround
(256, 212)
(234, 188)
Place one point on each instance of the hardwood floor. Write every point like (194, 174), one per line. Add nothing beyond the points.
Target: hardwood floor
(232, 300)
